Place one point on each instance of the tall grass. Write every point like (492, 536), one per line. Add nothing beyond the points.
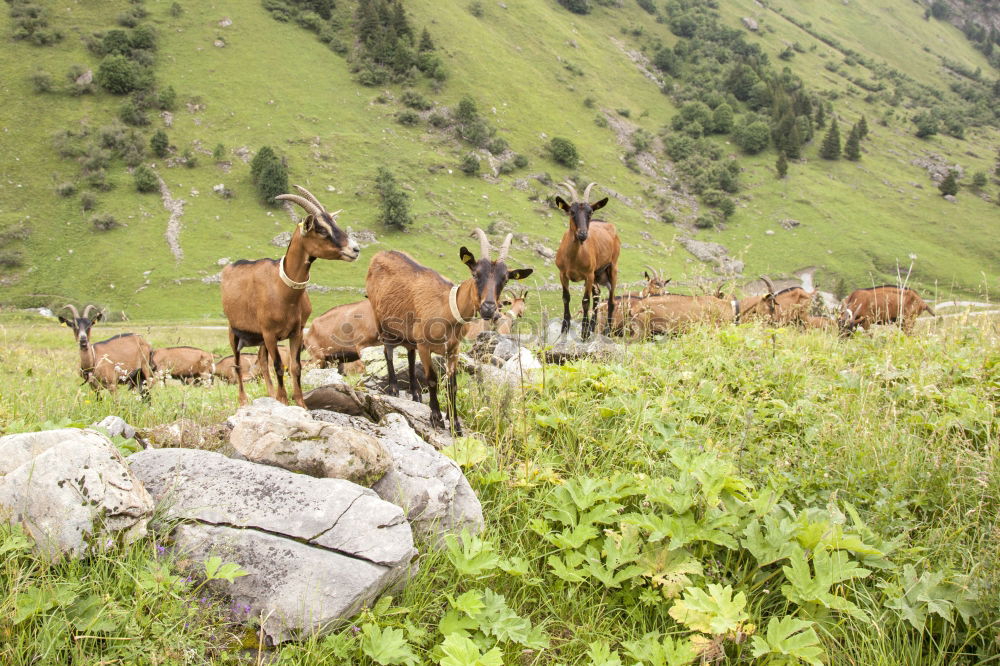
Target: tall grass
(882, 440)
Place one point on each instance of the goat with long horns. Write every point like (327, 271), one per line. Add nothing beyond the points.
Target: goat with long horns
(416, 308)
(121, 359)
(589, 253)
(265, 300)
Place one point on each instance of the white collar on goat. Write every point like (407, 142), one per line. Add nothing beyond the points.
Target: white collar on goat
(287, 280)
(453, 304)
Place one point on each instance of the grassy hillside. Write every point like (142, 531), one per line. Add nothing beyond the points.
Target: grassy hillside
(530, 65)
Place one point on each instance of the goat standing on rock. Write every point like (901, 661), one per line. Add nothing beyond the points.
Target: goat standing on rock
(122, 359)
(265, 300)
(418, 309)
(591, 261)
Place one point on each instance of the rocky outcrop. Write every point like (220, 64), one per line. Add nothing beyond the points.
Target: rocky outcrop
(713, 253)
(429, 486)
(316, 550)
(71, 491)
(287, 436)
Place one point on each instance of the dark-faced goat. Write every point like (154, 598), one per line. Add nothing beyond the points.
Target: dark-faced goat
(122, 359)
(265, 300)
(416, 308)
(588, 253)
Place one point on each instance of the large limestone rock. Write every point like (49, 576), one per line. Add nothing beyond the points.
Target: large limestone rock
(287, 436)
(316, 550)
(417, 414)
(428, 485)
(71, 490)
(336, 398)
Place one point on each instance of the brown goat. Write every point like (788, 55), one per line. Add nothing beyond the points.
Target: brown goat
(812, 321)
(415, 307)
(669, 313)
(121, 359)
(788, 306)
(339, 334)
(188, 364)
(225, 368)
(503, 324)
(655, 284)
(887, 304)
(589, 253)
(265, 300)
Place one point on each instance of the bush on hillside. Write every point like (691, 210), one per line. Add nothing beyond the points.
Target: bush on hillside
(563, 152)
(269, 175)
(752, 137)
(119, 76)
(576, 6)
(949, 186)
(104, 222)
(470, 165)
(41, 82)
(145, 179)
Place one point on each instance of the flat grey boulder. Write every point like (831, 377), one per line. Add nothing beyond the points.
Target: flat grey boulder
(429, 486)
(596, 346)
(321, 377)
(287, 436)
(317, 550)
(71, 490)
(116, 426)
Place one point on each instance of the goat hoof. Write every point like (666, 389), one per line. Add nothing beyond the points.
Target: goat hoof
(436, 420)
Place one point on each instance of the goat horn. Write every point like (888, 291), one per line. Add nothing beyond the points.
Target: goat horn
(309, 195)
(76, 315)
(586, 192)
(770, 285)
(571, 190)
(309, 206)
(87, 310)
(484, 243)
(502, 255)
(653, 271)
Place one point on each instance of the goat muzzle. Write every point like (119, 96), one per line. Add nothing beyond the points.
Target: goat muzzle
(581, 236)
(488, 310)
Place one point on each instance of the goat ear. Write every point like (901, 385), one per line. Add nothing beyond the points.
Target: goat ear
(97, 317)
(600, 204)
(309, 223)
(645, 274)
(519, 273)
(562, 203)
(506, 302)
(65, 321)
(467, 258)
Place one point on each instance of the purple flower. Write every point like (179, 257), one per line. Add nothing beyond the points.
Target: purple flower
(160, 550)
(356, 629)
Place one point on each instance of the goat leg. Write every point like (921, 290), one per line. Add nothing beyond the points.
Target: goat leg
(391, 369)
(437, 420)
(587, 325)
(295, 366)
(411, 359)
(565, 295)
(456, 427)
(237, 345)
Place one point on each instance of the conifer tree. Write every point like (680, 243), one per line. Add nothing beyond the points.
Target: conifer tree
(852, 147)
(830, 150)
(950, 184)
(862, 128)
(781, 165)
(820, 117)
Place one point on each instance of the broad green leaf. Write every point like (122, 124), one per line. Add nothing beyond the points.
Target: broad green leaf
(456, 622)
(386, 646)
(458, 650)
(470, 603)
(612, 565)
(916, 597)
(601, 654)
(13, 540)
(773, 541)
(471, 555)
(830, 569)
(716, 611)
(569, 569)
(216, 569)
(36, 600)
(651, 650)
(467, 451)
(572, 539)
(497, 619)
(790, 637)
(90, 615)
(668, 569)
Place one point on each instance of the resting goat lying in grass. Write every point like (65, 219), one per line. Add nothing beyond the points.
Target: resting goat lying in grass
(122, 359)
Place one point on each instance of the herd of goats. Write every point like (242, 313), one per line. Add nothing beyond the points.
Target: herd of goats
(412, 306)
